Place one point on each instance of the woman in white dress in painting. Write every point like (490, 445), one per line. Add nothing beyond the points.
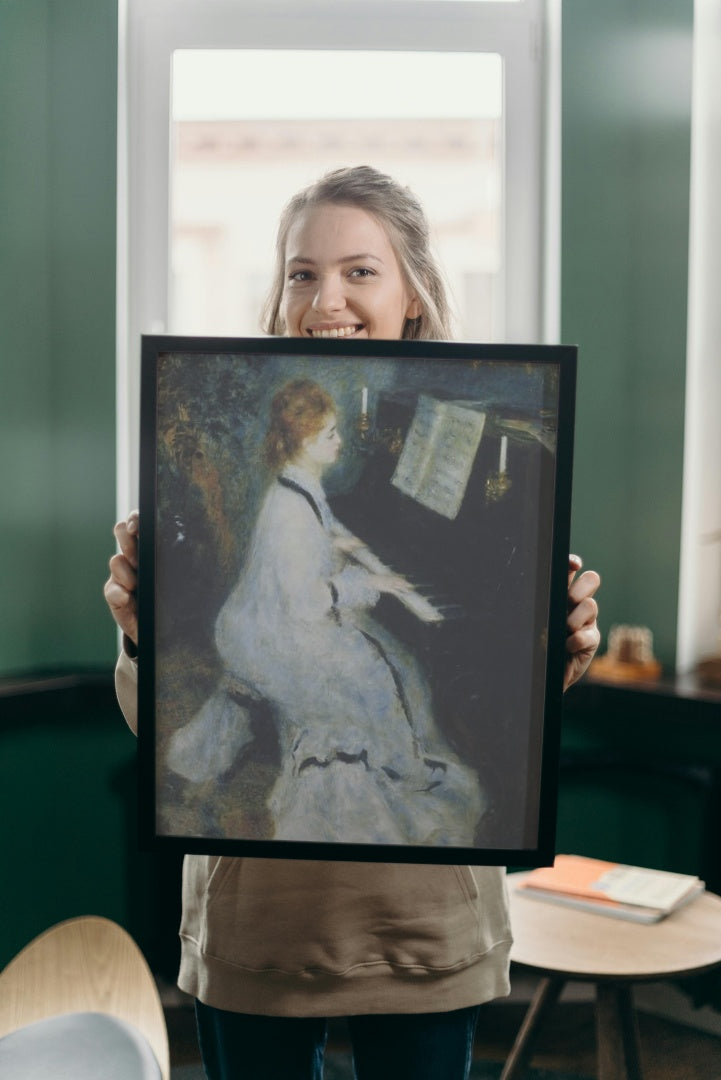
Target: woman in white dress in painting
(361, 758)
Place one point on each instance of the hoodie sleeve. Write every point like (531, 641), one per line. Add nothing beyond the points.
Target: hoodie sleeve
(126, 688)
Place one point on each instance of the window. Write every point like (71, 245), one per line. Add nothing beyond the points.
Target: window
(236, 161)
(447, 95)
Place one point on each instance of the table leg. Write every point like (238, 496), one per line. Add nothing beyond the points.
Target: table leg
(617, 1033)
(545, 997)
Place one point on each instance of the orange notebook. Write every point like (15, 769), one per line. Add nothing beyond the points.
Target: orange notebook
(632, 892)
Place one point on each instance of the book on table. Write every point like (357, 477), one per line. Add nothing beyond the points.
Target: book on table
(609, 888)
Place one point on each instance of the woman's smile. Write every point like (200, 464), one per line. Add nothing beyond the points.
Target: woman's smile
(335, 331)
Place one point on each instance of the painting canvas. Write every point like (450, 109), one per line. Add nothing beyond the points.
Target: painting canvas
(353, 570)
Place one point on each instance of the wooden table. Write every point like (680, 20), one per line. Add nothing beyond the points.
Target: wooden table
(563, 944)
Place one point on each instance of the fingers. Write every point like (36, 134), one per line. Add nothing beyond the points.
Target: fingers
(584, 586)
(123, 572)
(575, 562)
(586, 640)
(120, 588)
(580, 614)
(126, 534)
(582, 634)
(390, 583)
(348, 544)
(123, 608)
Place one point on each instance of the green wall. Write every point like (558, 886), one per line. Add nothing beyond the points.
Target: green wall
(626, 145)
(67, 796)
(67, 771)
(58, 72)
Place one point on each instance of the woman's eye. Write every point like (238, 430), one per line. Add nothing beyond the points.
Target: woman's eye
(300, 276)
(362, 272)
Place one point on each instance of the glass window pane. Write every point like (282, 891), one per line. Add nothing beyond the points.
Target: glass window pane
(252, 127)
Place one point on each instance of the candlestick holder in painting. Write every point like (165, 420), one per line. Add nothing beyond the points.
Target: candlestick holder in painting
(371, 437)
(498, 484)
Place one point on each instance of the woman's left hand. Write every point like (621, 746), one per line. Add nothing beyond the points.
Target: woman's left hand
(582, 633)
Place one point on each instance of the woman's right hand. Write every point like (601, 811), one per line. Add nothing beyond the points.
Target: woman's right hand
(389, 583)
(121, 587)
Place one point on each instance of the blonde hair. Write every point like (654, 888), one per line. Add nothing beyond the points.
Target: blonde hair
(402, 216)
(297, 411)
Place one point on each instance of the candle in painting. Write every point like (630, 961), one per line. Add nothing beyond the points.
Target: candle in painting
(364, 400)
(504, 454)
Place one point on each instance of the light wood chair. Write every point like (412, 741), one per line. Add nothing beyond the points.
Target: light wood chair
(84, 965)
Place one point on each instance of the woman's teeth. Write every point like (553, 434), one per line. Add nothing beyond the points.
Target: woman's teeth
(337, 331)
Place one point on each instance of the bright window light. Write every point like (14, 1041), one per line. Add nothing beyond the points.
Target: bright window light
(238, 155)
(220, 84)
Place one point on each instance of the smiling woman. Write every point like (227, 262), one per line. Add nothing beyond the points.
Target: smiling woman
(360, 741)
(353, 259)
(331, 292)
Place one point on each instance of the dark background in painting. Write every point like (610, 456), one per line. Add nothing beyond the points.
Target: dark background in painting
(211, 420)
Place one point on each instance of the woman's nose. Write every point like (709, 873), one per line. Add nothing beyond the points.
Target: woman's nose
(329, 295)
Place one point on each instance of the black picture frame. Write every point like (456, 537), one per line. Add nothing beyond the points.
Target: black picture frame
(283, 712)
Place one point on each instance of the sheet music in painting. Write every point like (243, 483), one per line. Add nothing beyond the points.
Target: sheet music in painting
(437, 457)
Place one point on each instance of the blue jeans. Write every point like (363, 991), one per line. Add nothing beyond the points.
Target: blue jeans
(415, 1046)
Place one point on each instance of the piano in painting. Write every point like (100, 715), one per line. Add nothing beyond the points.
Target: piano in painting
(479, 575)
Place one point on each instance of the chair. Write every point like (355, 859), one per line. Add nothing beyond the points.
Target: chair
(79, 1002)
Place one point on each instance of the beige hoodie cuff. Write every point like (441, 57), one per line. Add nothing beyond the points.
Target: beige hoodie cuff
(126, 688)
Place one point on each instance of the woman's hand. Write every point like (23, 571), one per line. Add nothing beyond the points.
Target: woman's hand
(583, 635)
(121, 587)
(347, 544)
(389, 583)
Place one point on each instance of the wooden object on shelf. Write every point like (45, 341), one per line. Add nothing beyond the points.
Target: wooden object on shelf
(708, 671)
(629, 657)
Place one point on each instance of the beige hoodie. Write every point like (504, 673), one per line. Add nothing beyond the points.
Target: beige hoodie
(286, 937)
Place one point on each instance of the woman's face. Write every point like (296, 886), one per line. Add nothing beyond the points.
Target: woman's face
(322, 449)
(342, 277)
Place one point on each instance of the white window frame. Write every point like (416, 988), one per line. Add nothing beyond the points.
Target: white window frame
(699, 597)
(526, 34)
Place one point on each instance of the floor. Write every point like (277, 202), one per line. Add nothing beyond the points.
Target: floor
(669, 1051)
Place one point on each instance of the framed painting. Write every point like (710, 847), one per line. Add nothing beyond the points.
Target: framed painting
(352, 597)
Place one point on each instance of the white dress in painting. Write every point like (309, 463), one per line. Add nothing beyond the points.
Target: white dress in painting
(361, 758)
